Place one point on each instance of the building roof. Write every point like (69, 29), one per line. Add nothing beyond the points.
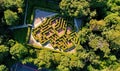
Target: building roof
(25, 67)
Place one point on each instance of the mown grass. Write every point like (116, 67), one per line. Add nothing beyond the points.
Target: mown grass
(21, 35)
(41, 4)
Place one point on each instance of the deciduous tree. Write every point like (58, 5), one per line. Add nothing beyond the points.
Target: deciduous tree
(97, 25)
(3, 68)
(2, 5)
(4, 51)
(97, 42)
(43, 59)
(113, 36)
(11, 17)
(18, 51)
(75, 8)
(112, 19)
(13, 3)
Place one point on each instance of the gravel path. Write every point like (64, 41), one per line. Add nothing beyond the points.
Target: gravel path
(40, 15)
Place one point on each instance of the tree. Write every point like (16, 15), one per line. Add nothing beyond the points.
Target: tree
(18, 51)
(44, 58)
(97, 42)
(4, 51)
(3, 68)
(112, 57)
(100, 6)
(93, 14)
(62, 68)
(98, 63)
(114, 6)
(113, 36)
(28, 60)
(11, 43)
(11, 17)
(75, 8)
(97, 25)
(91, 68)
(65, 61)
(57, 58)
(1, 5)
(13, 3)
(75, 62)
(84, 34)
(93, 58)
(79, 48)
(112, 19)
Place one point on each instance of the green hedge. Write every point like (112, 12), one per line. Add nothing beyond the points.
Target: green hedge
(60, 42)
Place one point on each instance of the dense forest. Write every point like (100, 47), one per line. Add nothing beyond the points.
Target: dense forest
(99, 45)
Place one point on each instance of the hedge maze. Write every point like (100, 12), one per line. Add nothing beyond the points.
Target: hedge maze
(56, 32)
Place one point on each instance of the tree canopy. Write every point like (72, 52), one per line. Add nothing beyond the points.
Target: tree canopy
(75, 8)
(13, 3)
(18, 51)
(3, 68)
(4, 51)
(11, 17)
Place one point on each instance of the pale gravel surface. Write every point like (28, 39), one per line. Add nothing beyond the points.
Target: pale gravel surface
(39, 17)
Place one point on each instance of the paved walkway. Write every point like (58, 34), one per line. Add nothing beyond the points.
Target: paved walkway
(40, 16)
(18, 27)
(78, 23)
(24, 25)
(26, 12)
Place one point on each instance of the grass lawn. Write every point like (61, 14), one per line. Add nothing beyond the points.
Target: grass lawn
(21, 35)
(41, 4)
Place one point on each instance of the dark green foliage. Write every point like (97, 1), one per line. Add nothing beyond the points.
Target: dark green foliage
(1, 5)
(1, 39)
(97, 25)
(112, 19)
(11, 43)
(75, 8)
(3, 68)
(21, 35)
(41, 4)
(13, 3)
(55, 61)
(100, 6)
(113, 36)
(4, 51)
(11, 17)
(84, 34)
(11, 12)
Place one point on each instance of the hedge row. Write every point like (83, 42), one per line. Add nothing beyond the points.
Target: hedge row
(49, 33)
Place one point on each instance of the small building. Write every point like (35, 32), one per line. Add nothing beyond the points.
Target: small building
(26, 67)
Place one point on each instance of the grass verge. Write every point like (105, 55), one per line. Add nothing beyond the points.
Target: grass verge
(40, 4)
(21, 35)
